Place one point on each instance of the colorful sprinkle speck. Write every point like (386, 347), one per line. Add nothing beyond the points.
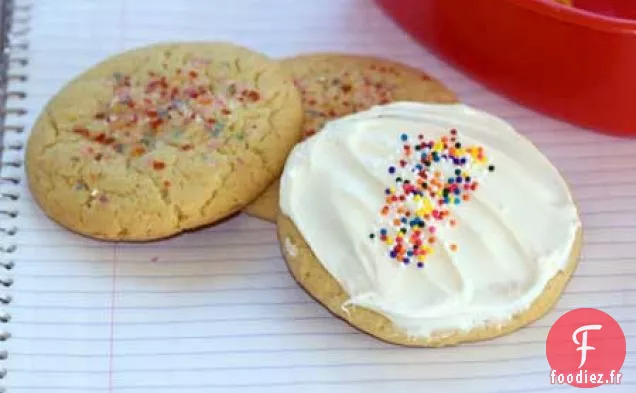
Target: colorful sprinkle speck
(158, 165)
(429, 179)
(80, 186)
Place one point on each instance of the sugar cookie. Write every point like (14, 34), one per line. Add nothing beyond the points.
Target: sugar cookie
(427, 225)
(162, 139)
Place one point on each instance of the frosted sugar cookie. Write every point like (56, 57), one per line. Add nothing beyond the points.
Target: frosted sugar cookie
(427, 225)
(162, 139)
(334, 85)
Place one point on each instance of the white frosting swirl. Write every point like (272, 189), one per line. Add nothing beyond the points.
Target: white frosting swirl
(513, 236)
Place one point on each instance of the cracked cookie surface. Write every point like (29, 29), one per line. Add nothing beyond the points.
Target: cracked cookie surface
(334, 85)
(162, 139)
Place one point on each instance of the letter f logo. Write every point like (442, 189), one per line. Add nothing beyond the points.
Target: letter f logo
(584, 347)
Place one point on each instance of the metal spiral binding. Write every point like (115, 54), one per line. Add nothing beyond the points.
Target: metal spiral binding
(14, 25)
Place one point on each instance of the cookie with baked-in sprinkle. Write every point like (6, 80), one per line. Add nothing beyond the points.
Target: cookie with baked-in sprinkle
(333, 85)
(162, 139)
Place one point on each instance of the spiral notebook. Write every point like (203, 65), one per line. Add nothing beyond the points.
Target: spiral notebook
(216, 310)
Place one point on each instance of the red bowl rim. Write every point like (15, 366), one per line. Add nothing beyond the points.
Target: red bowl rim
(570, 14)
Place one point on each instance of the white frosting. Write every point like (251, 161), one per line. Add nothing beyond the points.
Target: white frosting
(515, 234)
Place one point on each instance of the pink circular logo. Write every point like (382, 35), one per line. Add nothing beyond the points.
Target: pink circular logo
(585, 348)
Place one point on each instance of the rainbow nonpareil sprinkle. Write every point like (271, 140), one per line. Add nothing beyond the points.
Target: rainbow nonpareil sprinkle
(428, 180)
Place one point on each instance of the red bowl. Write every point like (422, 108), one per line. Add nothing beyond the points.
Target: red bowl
(575, 63)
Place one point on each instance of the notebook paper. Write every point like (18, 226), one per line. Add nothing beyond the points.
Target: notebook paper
(216, 310)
